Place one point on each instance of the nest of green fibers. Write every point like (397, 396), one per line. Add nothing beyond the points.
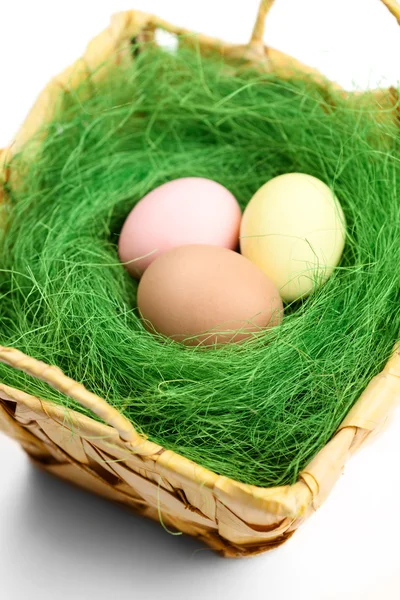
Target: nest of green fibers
(258, 411)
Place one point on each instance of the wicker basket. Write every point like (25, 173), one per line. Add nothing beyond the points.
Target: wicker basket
(112, 459)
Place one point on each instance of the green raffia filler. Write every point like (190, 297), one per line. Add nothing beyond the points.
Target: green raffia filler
(257, 412)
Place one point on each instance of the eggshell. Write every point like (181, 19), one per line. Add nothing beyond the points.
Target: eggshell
(191, 210)
(294, 230)
(206, 295)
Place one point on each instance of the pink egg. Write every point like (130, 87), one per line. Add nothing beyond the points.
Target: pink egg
(185, 211)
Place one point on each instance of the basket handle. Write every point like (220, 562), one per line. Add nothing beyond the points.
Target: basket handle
(256, 40)
(56, 379)
(257, 36)
(394, 7)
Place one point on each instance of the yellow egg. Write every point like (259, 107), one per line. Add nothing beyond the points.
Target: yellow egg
(294, 230)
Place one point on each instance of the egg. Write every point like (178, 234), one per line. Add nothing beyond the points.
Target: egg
(191, 210)
(294, 230)
(207, 295)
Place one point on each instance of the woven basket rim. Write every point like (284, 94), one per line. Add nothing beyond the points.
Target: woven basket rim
(368, 415)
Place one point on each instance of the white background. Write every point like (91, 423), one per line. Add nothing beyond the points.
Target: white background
(57, 542)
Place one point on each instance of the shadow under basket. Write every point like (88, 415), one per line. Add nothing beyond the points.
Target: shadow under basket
(112, 459)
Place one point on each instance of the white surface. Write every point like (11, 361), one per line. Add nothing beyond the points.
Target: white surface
(52, 536)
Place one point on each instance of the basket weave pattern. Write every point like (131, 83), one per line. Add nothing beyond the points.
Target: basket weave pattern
(112, 459)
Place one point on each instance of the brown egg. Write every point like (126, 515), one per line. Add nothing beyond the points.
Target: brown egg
(207, 295)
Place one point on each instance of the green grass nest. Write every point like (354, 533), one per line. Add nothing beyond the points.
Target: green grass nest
(256, 412)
